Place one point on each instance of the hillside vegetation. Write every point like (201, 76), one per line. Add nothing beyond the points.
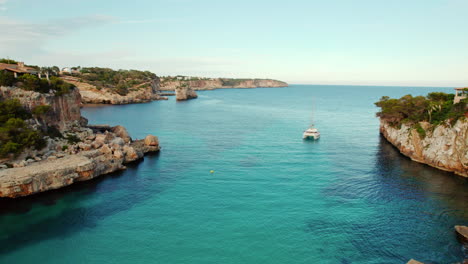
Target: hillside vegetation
(435, 108)
(15, 134)
(120, 81)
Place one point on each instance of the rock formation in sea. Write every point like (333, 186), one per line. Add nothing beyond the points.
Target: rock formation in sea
(74, 151)
(185, 92)
(443, 146)
(170, 84)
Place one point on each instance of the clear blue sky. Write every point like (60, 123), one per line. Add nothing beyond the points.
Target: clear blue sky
(387, 42)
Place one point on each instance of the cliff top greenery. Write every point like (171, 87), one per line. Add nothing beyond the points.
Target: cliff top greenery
(120, 81)
(15, 135)
(435, 108)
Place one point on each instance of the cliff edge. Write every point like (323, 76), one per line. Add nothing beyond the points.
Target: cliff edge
(443, 147)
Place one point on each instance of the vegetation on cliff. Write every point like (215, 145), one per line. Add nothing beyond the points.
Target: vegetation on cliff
(31, 82)
(120, 81)
(435, 108)
(15, 135)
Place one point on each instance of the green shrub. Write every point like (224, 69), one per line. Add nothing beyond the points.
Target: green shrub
(420, 130)
(16, 136)
(40, 110)
(12, 109)
(72, 139)
(7, 78)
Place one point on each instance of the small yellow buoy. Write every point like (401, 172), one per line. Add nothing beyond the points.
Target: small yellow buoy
(211, 171)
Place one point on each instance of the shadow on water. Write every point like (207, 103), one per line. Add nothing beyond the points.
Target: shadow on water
(415, 208)
(75, 216)
(421, 180)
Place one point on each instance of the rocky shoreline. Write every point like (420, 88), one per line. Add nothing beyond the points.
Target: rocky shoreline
(74, 152)
(444, 146)
(107, 153)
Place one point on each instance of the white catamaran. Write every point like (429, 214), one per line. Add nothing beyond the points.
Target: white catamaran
(311, 132)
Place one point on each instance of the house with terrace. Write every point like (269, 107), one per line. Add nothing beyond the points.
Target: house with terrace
(18, 69)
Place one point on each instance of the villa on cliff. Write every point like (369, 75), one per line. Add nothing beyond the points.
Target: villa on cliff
(460, 94)
(17, 69)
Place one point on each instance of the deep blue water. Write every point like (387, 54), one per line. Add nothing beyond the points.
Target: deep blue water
(273, 198)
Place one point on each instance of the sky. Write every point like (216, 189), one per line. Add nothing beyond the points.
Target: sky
(359, 42)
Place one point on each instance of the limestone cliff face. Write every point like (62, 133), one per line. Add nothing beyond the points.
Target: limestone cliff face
(93, 95)
(210, 84)
(185, 93)
(65, 109)
(443, 147)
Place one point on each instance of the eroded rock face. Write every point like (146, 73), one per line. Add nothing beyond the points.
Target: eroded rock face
(444, 147)
(184, 93)
(65, 109)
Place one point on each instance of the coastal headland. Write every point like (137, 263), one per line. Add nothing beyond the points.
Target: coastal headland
(432, 130)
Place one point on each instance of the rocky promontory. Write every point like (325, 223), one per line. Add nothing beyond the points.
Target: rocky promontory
(93, 94)
(430, 129)
(47, 144)
(99, 154)
(444, 147)
(171, 83)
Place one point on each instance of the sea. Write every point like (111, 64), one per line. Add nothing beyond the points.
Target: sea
(235, 182)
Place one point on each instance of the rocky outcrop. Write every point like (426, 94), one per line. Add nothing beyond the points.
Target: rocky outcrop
(219, 83)
(444, 147)
(74, 153)
(412, 261)
(91, 94)
(65, 109)
(97, 155)
(462, 234)
(184, 93)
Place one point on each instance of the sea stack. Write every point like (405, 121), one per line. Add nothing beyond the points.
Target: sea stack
(185, 92)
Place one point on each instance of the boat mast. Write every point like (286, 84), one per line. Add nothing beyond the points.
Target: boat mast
(312, 114)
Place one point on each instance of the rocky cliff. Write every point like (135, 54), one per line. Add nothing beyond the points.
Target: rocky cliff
(65, 109)
(444, 147)
(91, 94)
(219, 83)
(75, 152)
(184, 93)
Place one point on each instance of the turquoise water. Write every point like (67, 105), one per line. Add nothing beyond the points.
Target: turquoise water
(273, 198)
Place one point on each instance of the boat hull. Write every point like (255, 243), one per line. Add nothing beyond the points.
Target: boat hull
(310, 137)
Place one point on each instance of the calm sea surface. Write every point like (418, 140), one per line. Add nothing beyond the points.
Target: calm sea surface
(273, 198)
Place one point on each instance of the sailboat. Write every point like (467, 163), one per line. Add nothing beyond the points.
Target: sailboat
(311, 133)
